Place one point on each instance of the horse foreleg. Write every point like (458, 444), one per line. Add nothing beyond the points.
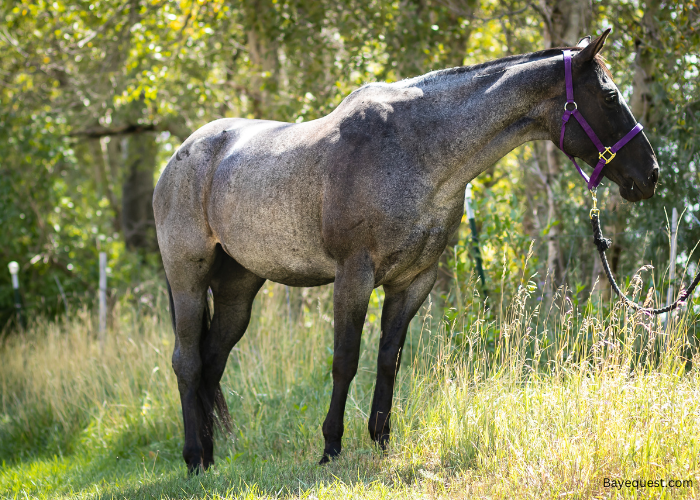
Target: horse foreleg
(234, 290)
(354, 282)
(400, 306)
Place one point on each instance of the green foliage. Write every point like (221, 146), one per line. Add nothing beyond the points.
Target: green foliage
(79, 77)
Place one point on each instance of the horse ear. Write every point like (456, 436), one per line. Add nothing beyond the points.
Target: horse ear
(589, 51)
(584, 42)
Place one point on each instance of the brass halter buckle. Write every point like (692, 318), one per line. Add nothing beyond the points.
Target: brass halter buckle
(594, 210)
(601, 155)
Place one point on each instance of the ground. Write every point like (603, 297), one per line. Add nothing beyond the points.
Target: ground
(81, 420)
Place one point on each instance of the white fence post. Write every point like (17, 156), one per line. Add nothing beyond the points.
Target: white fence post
(672, 269)
(14, 270)
(63, 294)
(103, 299)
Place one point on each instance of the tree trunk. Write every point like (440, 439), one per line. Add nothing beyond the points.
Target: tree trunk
(104, 177)
(555, 260)
(139, 160)
(565, 22)
(262, 50)
(641, 103)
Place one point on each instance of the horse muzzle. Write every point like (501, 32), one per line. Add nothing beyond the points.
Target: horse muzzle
(636, 190)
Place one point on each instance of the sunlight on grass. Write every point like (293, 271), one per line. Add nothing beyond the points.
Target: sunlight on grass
(540, 404)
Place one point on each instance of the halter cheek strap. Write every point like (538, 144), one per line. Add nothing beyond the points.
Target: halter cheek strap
(605, 154)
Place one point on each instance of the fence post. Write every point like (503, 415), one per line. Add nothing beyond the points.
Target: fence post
(672, 266)
(475, 237)
(103, 299)
(14, 269)
(289, 310)
(63, 294)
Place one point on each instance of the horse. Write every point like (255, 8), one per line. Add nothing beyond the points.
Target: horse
(365, 196)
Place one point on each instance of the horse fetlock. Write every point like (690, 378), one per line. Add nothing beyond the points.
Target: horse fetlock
(379, 428)
(194, 459)
(382, 441)
(330, 452)
(195, 468)
(332, 432)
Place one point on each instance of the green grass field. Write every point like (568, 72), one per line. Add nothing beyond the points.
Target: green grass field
(551, 415)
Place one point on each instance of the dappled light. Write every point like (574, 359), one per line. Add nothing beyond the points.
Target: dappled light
(522, 374)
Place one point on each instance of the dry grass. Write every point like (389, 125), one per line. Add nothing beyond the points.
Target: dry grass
(539, 404)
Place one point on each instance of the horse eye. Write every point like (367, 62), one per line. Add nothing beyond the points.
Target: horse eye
(611, 98)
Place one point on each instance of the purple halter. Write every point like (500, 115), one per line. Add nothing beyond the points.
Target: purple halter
(606, 154)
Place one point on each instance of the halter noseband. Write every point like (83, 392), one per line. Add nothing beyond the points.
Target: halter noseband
(605, 154)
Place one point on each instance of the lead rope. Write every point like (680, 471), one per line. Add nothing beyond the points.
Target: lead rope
(603, 244)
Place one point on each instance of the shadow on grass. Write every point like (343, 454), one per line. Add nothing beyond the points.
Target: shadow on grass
(358, 470)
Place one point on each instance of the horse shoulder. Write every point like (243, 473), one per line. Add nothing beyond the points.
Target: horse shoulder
(367, 170)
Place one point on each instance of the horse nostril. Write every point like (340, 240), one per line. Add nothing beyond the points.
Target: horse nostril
(654, 177)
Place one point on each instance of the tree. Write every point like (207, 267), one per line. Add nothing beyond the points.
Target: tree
(565, 23)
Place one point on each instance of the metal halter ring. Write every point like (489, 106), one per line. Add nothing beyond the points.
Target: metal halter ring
(594, 210)
(601, 155)
(572, 102)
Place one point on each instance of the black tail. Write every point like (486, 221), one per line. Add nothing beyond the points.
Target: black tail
(172, 305)
(219, 403)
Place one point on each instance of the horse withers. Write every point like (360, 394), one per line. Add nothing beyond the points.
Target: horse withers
(366, 196)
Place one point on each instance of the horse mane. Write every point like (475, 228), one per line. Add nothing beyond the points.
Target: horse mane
(497, 64)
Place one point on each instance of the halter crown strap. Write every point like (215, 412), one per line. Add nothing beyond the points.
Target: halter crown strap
(605, 154)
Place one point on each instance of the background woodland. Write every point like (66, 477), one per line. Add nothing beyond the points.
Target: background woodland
(95, 96)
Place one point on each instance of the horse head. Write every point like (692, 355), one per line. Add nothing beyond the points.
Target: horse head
(634, 167)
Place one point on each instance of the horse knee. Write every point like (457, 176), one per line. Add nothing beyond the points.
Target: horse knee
(388, 361)
(344, 368)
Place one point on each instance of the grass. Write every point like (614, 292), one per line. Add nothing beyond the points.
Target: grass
(534, 404)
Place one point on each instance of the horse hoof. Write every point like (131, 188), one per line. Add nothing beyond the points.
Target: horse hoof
(329, 455)
(195, 469)
(383, 444)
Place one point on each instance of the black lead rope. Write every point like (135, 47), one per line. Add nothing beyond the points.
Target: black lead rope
(603, 244)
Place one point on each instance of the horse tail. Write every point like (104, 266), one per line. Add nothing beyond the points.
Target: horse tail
(171, 303)
(219, 404)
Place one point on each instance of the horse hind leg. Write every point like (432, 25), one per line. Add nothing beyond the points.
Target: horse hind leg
(189, 272)
(234, 289)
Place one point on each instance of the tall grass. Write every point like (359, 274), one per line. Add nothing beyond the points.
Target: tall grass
(537, 402)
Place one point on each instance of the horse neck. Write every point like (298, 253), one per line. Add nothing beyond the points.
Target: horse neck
(472, 120)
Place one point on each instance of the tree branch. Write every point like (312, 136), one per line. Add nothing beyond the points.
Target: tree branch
(97, 132)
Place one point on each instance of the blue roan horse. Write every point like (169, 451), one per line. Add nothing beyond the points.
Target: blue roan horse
(364, 197)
